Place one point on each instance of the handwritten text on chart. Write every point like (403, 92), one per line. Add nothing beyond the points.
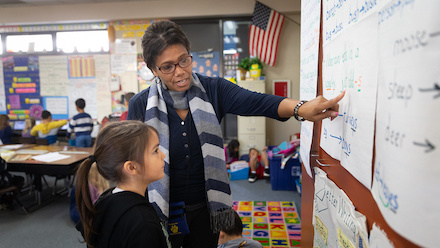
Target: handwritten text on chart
(335, 201)
(351, 82)
(355, 13)
(345, 145)
(410, 42)
(400, 92)
(392, 9)
(331, 10)
(358, 12)
(331, 60)
(306, 75)
(388, 198)
(351, 121)
(330, 32)
(392, 136)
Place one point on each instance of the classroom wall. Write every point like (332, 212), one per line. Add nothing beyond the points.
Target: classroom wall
(286, 67)
(150, 9)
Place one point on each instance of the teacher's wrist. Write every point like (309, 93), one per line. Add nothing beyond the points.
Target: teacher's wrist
(296, 111)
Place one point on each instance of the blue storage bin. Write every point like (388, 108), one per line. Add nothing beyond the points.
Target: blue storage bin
(239, 174)
(284, 179)
(298, 186)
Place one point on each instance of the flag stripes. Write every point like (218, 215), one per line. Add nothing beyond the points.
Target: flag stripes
(264, 33)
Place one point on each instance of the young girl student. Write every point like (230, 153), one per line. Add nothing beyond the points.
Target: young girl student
(128, 154)
(29, 124)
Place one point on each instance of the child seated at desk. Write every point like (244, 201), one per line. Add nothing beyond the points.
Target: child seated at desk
(5, 130)
(29, 124)
(48, 129)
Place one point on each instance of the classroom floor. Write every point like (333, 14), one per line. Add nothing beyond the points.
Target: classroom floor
(51, 226)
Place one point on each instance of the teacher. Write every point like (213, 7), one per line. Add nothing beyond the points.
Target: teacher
(186, 108)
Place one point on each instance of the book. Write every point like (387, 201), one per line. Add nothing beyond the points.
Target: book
(20, 157)
(7, 154)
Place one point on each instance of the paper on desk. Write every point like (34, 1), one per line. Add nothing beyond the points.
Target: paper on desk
(50, 157)
(11, 147)
(30, 151)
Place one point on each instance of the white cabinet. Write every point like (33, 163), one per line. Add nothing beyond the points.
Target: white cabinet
(251, 130)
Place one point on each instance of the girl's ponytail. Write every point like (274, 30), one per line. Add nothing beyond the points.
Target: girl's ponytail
(83, 199)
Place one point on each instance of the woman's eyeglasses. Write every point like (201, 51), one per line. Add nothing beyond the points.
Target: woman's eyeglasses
(167, 69)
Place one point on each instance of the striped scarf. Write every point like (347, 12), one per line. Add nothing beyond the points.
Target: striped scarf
(211, 141)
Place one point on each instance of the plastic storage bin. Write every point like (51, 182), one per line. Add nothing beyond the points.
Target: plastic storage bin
(239, 174)
(284, 179)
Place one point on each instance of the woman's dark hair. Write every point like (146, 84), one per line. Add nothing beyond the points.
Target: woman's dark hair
(116, 143)
(231, 148)
(160, 35)
(4, 121)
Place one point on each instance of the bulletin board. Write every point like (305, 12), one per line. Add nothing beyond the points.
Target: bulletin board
(382, 151)
(22, 87)
(206, 63)
(31, 84)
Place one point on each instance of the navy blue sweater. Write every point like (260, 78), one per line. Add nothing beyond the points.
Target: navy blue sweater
(186, 161)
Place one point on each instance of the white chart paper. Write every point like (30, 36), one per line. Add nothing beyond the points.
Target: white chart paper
(379, 239)
(406, 181)
(86, 89)
(310, 20)
(103, 94)
(339, 16)
(350, 63)
(54, 78)
(335, 220)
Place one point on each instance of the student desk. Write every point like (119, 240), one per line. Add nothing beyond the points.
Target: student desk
(63, 167)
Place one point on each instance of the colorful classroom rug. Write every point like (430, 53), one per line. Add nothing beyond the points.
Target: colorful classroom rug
(274, 224)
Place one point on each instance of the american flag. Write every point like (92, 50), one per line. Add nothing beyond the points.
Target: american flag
(264, 33)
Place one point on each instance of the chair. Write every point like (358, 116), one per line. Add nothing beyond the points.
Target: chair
(27, 140)
(42, 141)
(10, 186)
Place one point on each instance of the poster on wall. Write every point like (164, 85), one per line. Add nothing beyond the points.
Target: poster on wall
(85, 89)
(125, 46)
(2, 91)
(22, 87)
(57, 106)
(81, 66)
(206, 63)
(103, 94)
(54, 75)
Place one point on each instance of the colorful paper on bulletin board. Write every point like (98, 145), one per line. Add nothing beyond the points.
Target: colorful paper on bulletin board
(2, 91)
(206, 63)
(81, 67)
(58, 106)
(21, 85)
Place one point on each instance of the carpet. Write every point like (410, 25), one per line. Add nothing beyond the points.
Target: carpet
(274, 224)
